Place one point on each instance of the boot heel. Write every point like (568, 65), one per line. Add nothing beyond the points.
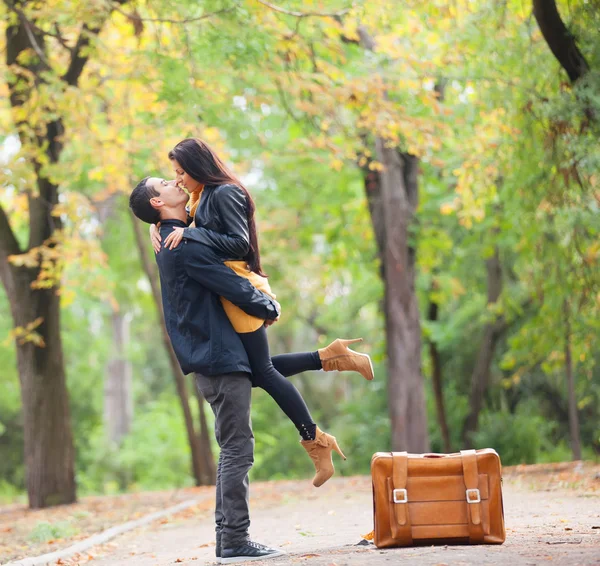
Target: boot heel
(351, 341)
(338, 449)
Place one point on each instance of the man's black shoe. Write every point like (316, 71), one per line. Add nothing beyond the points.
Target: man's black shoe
(247, 552)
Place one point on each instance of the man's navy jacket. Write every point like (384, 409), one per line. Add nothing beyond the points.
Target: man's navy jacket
(192, 278)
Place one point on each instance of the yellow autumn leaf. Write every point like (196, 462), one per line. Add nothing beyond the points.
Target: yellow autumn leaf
(376, 166)
(447, 208)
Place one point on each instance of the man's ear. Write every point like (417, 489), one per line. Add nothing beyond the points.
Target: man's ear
(156, 202)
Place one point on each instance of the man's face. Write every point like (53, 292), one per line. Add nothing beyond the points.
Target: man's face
(169, 194)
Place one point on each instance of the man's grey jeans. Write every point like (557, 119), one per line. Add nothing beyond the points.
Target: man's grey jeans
(229, 398)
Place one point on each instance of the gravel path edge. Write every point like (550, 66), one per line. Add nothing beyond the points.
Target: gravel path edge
(104, 536)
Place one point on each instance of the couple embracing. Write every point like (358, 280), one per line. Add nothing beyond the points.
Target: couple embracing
(217, 304)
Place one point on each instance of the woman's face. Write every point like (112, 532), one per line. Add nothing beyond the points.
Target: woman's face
(184, 179)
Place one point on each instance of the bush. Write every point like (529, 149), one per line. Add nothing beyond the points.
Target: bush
(155, 455)
(518, 438)
(10, 493)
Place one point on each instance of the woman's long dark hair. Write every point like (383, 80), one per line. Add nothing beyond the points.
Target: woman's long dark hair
(203, 165)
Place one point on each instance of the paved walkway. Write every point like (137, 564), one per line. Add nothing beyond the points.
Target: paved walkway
(322, 527)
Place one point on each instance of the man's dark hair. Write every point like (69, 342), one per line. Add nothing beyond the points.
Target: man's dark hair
(139, 202)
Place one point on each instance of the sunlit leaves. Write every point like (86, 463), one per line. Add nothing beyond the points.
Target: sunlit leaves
(25, 334)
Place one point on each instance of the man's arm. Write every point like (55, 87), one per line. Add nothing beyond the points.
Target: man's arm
(204, 266)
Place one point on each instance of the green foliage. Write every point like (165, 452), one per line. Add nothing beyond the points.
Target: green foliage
(44, 532)
(278, 453)
(155, 455)
(11, 492)
(518, 438)
(509, 162)
(457, 408)
(12, 472)
(364, 426)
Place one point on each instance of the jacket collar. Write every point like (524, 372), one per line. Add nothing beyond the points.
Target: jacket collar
(173, 222)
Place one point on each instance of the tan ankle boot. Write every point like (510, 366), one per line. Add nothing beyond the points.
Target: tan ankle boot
(337, 356)
(319, 451)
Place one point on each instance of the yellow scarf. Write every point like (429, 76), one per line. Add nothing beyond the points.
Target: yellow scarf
(195, 201)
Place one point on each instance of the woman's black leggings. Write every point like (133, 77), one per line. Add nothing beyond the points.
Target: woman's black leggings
(268, 374)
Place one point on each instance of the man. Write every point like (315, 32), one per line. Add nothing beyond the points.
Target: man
(191, 275)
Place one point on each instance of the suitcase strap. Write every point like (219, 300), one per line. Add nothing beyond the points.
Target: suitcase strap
(472, 494)
(399, 517)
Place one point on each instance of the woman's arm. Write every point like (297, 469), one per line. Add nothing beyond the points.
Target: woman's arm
(231, 205)
(155, 237)
(173, 239)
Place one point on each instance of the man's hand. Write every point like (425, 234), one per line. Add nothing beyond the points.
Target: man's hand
(155, 237)
(174, 238)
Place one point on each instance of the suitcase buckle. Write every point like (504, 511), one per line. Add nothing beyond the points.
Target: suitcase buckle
(400, 496)
(473, 492)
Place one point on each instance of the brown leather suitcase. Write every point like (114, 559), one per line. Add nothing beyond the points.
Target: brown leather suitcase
(437, 498)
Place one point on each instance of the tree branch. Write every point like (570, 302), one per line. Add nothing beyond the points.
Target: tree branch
(366, 40)
(58, 36)
(19, 37)
(27, 26)
(32, 25)
(303, 14)
(559, 39)
(136, 18)
(78, 61)
(8, 241)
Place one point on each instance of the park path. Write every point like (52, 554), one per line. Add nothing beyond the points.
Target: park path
(322, 528)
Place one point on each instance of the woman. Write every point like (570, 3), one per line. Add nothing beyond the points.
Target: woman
(223, 213)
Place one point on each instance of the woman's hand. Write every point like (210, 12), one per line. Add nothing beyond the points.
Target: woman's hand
(174, 238)
(155, 237)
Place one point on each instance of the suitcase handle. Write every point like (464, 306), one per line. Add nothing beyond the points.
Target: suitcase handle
(433, 455)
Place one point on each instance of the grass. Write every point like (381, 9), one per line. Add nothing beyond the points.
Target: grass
(45, 532)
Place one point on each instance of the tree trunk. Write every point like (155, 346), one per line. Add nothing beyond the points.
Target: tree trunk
(118, 399)
(49, 452)
(394, 200)
(392, 196)
(198, 469)
(436, 378)
(432, 315)
(573, 416)
(48, 441)
(491, 333)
